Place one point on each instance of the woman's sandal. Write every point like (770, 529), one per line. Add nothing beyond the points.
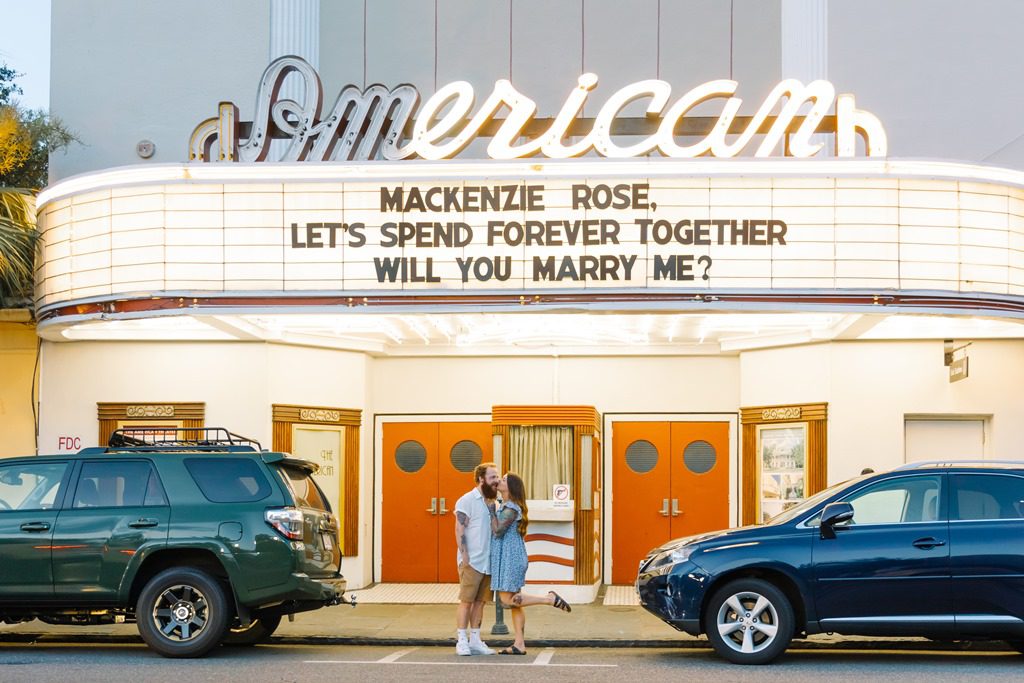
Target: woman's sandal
(560, 603)
(511, 650)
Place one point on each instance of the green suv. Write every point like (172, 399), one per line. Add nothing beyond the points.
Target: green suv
(197, 535)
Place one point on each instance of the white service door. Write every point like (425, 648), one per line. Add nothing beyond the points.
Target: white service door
(944, 440)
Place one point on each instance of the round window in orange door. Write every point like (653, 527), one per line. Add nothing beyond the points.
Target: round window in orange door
(466, 455)
(641, 456)
(410, 456)
(700, 457)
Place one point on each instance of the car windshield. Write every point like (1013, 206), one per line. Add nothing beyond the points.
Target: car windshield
(798, 510)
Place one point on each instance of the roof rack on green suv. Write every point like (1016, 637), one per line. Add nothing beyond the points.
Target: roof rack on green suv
(150, 439)
(196, 534)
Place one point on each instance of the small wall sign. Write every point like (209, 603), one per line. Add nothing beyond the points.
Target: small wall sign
(955, 358)
(958, 369)
(561, 495)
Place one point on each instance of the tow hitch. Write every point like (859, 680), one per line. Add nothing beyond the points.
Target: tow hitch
(342, 600)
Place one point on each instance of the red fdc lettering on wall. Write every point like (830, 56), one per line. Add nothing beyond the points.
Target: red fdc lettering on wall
(69, 443)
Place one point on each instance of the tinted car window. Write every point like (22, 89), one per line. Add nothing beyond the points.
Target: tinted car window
(988, 496)
(118, 483)
(894, 501)
(227, 479)
(304, 489)
(30, 486)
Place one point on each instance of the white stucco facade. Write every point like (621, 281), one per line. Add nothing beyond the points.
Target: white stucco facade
(871, 389)
(168, 280)
(930, 105)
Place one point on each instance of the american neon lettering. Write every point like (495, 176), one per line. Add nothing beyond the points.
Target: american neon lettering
(371, 123)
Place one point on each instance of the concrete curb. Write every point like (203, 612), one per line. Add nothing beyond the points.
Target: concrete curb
(687, 644)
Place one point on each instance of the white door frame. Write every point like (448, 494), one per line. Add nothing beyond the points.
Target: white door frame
(607, 432)
(379, 420)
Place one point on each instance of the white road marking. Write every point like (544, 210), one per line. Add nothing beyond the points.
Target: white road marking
(460, 663)
(395, 656)
(544, 658)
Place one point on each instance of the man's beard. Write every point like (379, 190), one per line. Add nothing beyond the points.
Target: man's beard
(490, 491)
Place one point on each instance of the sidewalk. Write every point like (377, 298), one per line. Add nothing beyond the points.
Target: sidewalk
(592, 625)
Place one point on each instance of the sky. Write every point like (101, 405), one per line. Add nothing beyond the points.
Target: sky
(25, 47)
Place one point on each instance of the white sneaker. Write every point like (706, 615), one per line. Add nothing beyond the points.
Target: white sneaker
(480, 648)
(462, 648)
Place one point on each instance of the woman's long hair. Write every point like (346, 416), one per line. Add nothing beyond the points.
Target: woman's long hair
(517, 495)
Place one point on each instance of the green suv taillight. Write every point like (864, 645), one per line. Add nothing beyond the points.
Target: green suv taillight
(286, 521)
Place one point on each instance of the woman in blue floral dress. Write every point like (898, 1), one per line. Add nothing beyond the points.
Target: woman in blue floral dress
(509, 560)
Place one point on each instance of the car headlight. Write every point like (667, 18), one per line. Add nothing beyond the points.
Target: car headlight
(674, 556)
(680, 554)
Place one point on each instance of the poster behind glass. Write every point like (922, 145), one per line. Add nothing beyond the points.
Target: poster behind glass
(324, 445)
(781, 451)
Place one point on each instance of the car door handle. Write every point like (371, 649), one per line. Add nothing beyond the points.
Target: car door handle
(433, 506)
(35, 526)
(928, 543)
(143, 523)
(444, 510)
(675, 507)
(664, 507)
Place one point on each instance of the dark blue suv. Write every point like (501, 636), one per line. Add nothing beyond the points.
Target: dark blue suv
(930, 549)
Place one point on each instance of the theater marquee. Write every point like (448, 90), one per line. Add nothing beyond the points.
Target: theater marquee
(582, 227)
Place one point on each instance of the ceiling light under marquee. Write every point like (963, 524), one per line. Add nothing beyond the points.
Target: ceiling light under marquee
(485, 331)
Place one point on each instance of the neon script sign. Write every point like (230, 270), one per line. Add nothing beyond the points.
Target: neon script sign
(378, 123)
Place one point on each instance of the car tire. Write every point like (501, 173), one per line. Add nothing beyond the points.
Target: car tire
(183, 613)
(1017, 645)
(258, 631)
(749, 621)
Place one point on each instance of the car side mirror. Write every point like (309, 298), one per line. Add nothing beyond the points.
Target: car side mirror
(834, 514)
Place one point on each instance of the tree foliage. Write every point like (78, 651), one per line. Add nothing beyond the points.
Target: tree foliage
(15, 143)
(27, 138)
(43, 135)
(7, 85)
(18, 244)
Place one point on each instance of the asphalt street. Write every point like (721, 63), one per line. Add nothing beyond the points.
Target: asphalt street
(308, 664)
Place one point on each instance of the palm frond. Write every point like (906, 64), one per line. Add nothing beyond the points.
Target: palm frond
(19, 242)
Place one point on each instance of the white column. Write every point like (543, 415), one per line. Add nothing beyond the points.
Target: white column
(805, 47)
(295, 30)
(805, 39)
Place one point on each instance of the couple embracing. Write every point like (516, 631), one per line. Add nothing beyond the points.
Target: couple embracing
(492, 557)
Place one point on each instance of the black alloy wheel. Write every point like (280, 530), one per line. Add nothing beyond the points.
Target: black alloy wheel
(258, 631)
(749, 621)
(182, 612)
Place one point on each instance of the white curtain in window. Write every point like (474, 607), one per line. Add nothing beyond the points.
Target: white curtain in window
(542, 456)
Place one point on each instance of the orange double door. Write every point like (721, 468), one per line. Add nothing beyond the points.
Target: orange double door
(427, 466)
(670, 479)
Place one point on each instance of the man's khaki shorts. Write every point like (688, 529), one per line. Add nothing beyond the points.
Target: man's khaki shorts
(473, 586)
